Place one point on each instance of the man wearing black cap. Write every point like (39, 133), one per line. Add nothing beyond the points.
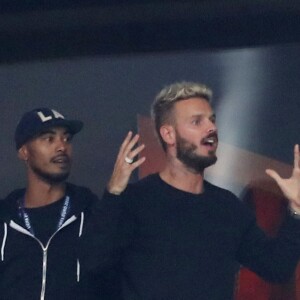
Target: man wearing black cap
(40, 226)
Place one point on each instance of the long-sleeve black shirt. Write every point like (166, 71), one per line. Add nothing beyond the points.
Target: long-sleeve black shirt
(182, 246)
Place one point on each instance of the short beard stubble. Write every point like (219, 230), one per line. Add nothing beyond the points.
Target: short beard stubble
(186, 154)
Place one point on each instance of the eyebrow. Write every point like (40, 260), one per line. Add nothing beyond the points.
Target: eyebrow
(201, 115)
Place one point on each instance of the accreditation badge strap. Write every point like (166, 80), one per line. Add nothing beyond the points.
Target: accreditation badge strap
(63, 214)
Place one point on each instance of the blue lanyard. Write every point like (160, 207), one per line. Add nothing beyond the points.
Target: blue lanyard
(61, 220)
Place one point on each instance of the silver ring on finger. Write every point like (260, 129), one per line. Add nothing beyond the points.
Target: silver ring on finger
(128, 160)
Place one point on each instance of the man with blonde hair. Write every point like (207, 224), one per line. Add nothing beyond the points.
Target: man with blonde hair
(185, 237)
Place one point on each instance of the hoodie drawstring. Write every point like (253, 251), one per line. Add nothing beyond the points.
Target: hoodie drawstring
(79, 234)
(3, 241)
(81, 224)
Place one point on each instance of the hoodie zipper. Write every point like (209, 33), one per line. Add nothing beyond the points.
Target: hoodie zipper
(44, 249)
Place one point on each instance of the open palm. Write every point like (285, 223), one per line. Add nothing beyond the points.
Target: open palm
(290, 186)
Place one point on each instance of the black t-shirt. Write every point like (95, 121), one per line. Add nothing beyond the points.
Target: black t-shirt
(44, 220)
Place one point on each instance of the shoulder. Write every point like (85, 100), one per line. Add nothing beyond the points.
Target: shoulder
(220, 192)
(144, 189)
(9, 203)
(228, 201)
(14, 195)
(81, 194)
(147, 183)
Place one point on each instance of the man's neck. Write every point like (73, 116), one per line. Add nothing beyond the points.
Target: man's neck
(180, 177)
(41, 193)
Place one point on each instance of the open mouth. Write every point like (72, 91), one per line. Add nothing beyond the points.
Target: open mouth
(62, 159)
(210, 141)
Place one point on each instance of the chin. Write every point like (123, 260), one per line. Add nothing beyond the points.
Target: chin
(54, 178)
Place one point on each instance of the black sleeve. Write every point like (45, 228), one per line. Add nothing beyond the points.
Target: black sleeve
(99, 246)
(274, 259)
(99, 251)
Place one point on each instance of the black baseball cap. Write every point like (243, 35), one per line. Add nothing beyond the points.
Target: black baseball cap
(38, 120)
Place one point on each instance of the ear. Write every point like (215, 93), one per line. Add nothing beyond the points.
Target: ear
(23, 153)
(167, 133)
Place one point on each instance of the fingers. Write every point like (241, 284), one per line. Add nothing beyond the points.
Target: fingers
(130, 145)
(127, 151)
(273, 174)
(276, 176)
(138, 162)
(125, 143)
(132, 154)
(125, 164)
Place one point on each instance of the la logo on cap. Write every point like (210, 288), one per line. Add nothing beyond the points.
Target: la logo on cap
(45, 118)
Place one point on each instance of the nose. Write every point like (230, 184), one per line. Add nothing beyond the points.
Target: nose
(212, 127)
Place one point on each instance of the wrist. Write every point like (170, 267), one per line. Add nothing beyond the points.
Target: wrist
(113, 190)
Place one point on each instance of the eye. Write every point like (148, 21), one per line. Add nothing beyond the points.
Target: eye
(196, 121)
(47, 137)
(213, 118)
(68, 138)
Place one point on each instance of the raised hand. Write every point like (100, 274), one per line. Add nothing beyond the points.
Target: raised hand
(290, 186)
(125, 164)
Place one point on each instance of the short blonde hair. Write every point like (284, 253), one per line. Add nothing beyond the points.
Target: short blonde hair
(162, 107)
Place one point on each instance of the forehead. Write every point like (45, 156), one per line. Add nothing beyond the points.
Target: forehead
(54, 130)
(193, 106)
